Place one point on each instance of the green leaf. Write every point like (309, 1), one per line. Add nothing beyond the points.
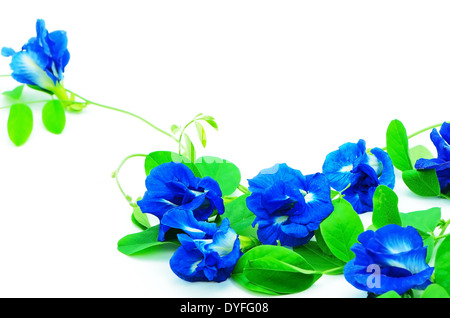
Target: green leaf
(340, 230)
(422, 182)
(141, 241)
(174, 129)
(190, 149)
(320, 261)
(442, 265)
(425, 221)
(156, 158)
(274, 270)
(435, 291)
(16, 93)
(139, 218)
(20, 123)
(224, 172)
(54, 116)
(240, 217)
(201, 133)
(385, 207)
(210, 120)
(397, 145)
(419, 152)
(390, 294)
(321, 242)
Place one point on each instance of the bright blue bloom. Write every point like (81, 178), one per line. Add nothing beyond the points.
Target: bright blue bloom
(392, 258)
(211, 258)
(351, 166)
(288, 205)
(42, 60)
(441, 164)
(173, 185)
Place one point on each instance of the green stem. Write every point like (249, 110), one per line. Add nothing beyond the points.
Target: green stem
(181, 135)
(128, 113)
(7, 75)
(444, 227)
(115, 174)
(423, 130)
(243, 189)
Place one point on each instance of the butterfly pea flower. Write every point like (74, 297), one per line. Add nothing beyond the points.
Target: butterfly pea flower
(391, 258)
(356, 173)
(288, 206)
(441, 140)
(173, 185)
(210, 258)
(42, 60)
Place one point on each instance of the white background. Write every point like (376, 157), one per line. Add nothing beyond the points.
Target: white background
(287, 81)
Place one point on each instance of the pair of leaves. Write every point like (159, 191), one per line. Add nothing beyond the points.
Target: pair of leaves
(422, 182)
(274, 270)
(20, 119)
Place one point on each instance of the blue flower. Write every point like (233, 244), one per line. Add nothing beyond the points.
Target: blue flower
(173, 185)
(441, 164)
(392, 258)
(288, 205)
(358, 173)
(42, 60)
(211, 258)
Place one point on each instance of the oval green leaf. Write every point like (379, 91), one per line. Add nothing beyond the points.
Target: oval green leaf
(20, 123)
(54, 116)
(422, 182)
(340, 230)
(397, 145)
(224, 172)
(435, 291)
(385, 207)
(274, 270)
(442, 265)
(141, 241)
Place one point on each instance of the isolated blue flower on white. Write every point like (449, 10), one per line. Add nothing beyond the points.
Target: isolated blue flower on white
(42, 60)
(352, 168)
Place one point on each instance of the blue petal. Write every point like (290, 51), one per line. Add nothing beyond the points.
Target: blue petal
(185, 220)
(395, 239)
(185, 264)
(223, 239)
(445, 132)
(26, 69)
(339, 165)
(442, 146)
(7, 52)
(387, 176)
(317, 200)
(267, 177)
